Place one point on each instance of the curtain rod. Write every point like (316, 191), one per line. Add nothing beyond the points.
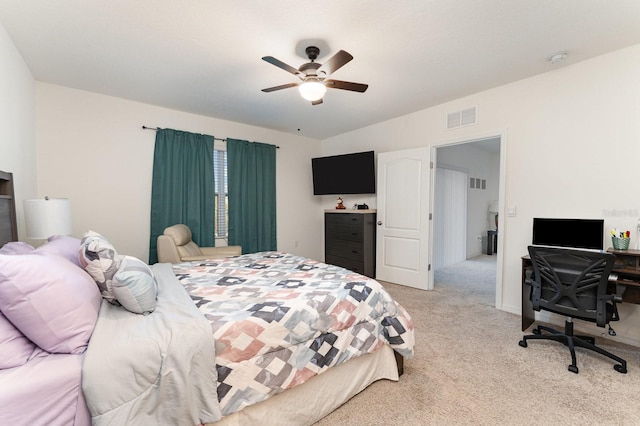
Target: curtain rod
(215, 139)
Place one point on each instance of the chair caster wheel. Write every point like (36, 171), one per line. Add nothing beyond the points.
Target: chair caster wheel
(523, 343)
(573, 369)
(620, 368)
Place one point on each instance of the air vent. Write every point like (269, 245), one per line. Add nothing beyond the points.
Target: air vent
(462, 118)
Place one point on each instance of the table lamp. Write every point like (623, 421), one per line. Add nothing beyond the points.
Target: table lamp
(493, 208)
(46, 217)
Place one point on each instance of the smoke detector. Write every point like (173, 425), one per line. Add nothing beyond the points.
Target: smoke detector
(557, 58)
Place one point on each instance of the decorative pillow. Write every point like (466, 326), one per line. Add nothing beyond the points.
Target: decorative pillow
(64, 246)
(16, 247)
(15, 348)
(50, 300)
(100, 259)
(135, 286)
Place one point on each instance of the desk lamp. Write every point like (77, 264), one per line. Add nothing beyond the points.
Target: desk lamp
(47, 217)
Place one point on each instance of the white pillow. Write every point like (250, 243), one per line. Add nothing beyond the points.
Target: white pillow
(135, 286)
(100, 259)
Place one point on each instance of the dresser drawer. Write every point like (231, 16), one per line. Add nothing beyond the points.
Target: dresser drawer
(345, 248)
(344, 219)
(342, 233)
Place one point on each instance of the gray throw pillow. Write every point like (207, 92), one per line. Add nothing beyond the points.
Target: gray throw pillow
(135, 286)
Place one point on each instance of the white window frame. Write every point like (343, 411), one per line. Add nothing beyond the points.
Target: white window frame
(221, 218)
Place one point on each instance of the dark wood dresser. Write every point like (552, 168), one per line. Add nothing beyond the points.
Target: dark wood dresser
(8, 222)
(350, 240)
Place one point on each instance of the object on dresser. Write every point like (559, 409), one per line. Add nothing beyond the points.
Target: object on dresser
(340, 205)
(363, 207)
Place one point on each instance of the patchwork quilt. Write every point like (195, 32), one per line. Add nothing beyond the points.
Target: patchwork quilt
(280, 319)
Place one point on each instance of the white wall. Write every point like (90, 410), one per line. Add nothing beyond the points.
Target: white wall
(92, 149)
(17, 123)
(572, 140)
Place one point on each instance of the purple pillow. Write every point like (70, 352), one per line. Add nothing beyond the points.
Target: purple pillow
(16, 247)
(50, 300)
(64, 246)
(15, 348)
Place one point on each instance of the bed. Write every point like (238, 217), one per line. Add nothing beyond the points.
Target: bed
(292, 339)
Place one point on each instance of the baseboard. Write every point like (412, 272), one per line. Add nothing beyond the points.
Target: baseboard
(512, 309)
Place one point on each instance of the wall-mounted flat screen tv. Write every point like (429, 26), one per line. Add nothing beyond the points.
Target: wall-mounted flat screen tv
(569, 233)
(344, 174)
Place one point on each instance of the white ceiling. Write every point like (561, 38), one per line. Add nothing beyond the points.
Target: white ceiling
(204, 56)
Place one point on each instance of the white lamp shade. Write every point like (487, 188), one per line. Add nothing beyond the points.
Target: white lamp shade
(493, 207)
(47, 217)
(312, 90)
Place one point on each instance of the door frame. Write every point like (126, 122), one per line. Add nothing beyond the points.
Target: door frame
(502, 136)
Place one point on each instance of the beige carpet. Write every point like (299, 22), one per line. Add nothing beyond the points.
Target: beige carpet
(469, 369)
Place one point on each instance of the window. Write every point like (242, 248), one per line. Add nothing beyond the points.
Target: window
(221, 197)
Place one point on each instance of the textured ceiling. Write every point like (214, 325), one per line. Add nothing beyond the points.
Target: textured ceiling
(204, 56)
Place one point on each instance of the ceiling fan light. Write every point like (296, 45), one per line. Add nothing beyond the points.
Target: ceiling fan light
(312, 90)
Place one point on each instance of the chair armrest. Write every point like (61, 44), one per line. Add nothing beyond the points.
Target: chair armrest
(224, 251)
(615, 298)
(167, 250)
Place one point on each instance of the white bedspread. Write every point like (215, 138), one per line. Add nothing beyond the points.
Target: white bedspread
(134, 370)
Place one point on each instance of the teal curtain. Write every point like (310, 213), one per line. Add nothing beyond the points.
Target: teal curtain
(182, 186)
(252, 195)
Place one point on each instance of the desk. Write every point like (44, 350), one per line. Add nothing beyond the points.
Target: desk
(624, 280)
(492, 241)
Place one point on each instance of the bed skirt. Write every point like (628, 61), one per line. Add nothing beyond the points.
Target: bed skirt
(311, 401)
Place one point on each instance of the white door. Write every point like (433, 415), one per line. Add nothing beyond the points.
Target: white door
(402, 240)
(449, 217)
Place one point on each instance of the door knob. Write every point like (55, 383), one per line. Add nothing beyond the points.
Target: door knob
(379, 222)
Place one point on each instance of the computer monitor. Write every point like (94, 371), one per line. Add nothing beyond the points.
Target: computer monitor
(570, 233)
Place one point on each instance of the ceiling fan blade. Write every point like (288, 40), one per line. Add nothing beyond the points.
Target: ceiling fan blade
(278, 63)
(318, 102)
(336, 62)
(283, 86)
(346, 85)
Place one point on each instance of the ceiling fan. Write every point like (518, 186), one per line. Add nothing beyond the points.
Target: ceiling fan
(313, 76)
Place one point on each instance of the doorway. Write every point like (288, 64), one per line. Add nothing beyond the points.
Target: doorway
(481, 160)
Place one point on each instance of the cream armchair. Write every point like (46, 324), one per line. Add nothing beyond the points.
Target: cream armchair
(175, 246)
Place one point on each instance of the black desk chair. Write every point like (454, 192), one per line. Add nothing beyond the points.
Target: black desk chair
(573, 283)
